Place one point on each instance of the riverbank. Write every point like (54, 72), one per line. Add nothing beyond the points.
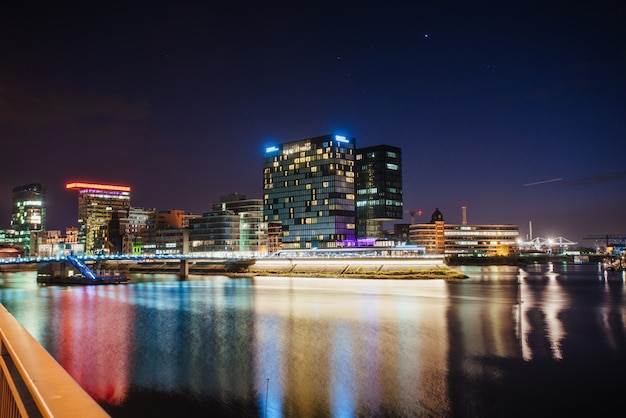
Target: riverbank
(361, 268)
(425, 274)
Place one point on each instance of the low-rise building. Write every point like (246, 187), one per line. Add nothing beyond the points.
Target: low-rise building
(464, 239)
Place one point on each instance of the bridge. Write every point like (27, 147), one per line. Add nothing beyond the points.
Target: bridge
(89, 269)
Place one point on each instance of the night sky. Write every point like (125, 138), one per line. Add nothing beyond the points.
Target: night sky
(515, 109)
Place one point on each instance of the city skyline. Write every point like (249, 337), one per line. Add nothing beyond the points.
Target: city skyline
(515, 111)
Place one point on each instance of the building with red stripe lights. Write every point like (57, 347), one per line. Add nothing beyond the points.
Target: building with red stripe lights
(96, 204)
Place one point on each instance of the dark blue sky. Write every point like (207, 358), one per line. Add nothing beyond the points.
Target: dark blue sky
(179, 100)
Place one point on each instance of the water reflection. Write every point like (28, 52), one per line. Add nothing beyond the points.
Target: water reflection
(508, 341)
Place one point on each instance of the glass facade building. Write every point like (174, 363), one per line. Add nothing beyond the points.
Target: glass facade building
(252, 229)
(308, 186)
(28, 213)
(378, 172)
(96, 204)
(214, 232)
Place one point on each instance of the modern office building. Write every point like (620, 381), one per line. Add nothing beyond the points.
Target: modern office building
(233, 225)
(215, 232)
(28, 213)
(96, 203)
(464, 239)
(378, 171)
(308, 186)
(252, 229)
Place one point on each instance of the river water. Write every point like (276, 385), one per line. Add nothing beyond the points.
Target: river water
(547, 339)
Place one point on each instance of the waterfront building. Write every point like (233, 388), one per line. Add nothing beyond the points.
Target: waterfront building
(464, 239)
(96, 204)
(308, 186)
(217, 231)
(252, 229)
(378, 171)
(167, 241)
(28, 213)
(7, 240)
(130, 229)
(166, 232)
(51, 243)
(234, 225)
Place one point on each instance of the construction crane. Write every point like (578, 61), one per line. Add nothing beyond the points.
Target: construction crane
(413, 213)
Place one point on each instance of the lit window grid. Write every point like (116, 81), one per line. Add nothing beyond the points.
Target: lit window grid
(297, 190)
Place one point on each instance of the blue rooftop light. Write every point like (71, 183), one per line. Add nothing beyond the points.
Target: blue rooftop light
(343, 139)
(271, 149)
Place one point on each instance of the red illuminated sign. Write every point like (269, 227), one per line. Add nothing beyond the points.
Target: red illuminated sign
(96, 186)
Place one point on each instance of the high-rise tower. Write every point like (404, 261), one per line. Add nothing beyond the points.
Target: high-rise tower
(308, 186)
(28, 214)
(96, 203)
(378, 188)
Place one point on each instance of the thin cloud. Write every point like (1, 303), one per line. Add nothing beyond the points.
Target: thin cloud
(598, 178)
(32, 106)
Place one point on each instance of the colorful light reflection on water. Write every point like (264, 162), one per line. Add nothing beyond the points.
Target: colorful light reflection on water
(507, 341)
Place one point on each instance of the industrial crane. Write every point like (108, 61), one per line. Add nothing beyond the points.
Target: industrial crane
(413, 213)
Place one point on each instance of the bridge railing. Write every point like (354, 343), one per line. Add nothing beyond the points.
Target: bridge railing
(32, 383)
